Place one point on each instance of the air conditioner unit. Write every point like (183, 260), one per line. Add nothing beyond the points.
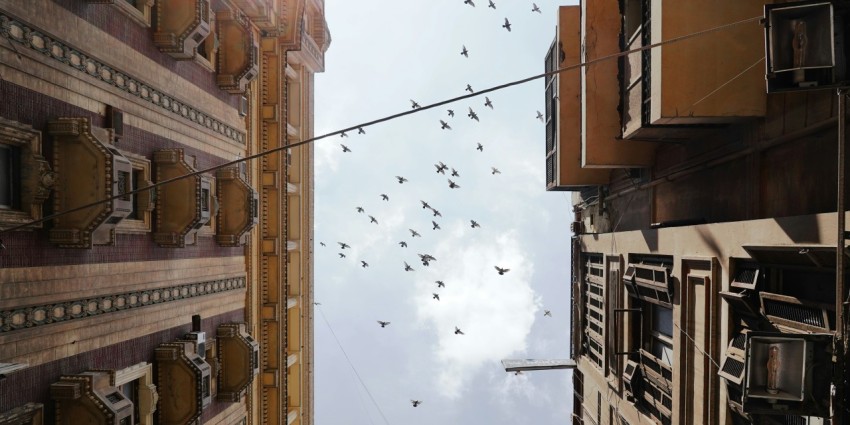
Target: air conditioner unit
(200, 341)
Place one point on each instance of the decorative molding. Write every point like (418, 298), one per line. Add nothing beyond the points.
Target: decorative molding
(29, 317)
(36, 180)
(23, 35)
(28, 414)
(139, 11)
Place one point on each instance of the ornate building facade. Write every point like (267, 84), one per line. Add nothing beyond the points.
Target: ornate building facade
(708, 260)
(189, 302)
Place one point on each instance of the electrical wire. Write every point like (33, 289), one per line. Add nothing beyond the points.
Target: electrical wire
(388, 118)
(352, 367)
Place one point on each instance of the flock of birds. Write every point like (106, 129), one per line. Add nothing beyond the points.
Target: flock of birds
(441, 168)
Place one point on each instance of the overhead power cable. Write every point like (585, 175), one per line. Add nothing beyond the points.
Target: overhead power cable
(389, 118)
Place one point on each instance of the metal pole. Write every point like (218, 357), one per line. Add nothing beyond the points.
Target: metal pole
(840, 342)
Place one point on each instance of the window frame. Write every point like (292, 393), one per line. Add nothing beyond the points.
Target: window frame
(34, 178)
(144, 220)
(147, 396)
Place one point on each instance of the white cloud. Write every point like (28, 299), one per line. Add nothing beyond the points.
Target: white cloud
(495, 312)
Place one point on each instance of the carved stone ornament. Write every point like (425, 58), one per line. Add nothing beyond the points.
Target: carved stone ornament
(183, 206)
(239, 355)
(181, 25)
(261, 12)
(28, 414)
(36, 178)
(238, 53)
(89, 398)
(88, 170)
(238, 207)
(183, 380)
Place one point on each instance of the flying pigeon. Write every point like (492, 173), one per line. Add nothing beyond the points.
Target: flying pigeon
(403, 244)
(415, 402)
(492, 5)
(436, 226)
(435, 296)
(501, 270)
(414, 233)
(440, 284)
(373, 220)
(425, 204)
(464, 52)
(474, 224)
(480, 147)
(534, 8)
(360, 130)
(488, 102)
(322, 244)
(507, 25)
(495, 171)
(385, 197)
(458, 331)
(455, 173)
(401, 179)
(547, 313)
(469, 88)
(343, 245)
(453, 185)
(472, 114)
(441, 168)
(345, 148)
(414, 105)
(407, 267)
(343, 134)
(539, 116)
(444, 125)
(436, 213)
(451, 113)
(383, 324)
(365, 264)
(341, 255)
(469, 2)
(426, 258)
(360, 209)
(315, 303)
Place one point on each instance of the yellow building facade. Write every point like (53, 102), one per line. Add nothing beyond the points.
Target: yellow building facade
(190, 302)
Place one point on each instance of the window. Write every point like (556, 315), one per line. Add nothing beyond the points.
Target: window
(10, 177)
(137, 10)
(660, 333)
(25, 176)
(139, 219)
(136, 383)
(594, 295)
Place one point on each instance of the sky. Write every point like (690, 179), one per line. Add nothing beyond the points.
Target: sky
(382, 55)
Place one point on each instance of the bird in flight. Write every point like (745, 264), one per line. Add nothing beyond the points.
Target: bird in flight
(414, 105)
(453, 185)
(415, 402)
(341, 255)
(436, 213)
(519, 372)
(403, 244)
(343, 245)
(547, 313)
(435, 296)
(436, 226)
(385, 197)
(322, 244)
(469, 2)
(495, 171)
(472, 114)
(455, 173)
(464, 52)
(401, 179)
(444, 125)
(414, 233)
(451, 113)
(360, 130)
(488, 102)
(441, 168)
(383, 324)
(373, 220)
(507, 25)
(501, 270)
(491, 5)
(539, 116)
(360, 209)
(425, 204)
(440, 284)
(407, 267)
(317, 303)
(343, 134)
(474, 224)
(365, 264)
(534, 8)
(458, 331)
(426, 259)
(480, 147)
(345, 148)
(469, 88)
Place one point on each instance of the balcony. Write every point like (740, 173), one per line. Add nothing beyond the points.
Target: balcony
(240, 356)
(183, 206)
(238, 54)
(238, 212)
(184, 383)
(181, 26)
(89, 398)
(88, 169)
(684, 89)
(261, 12)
